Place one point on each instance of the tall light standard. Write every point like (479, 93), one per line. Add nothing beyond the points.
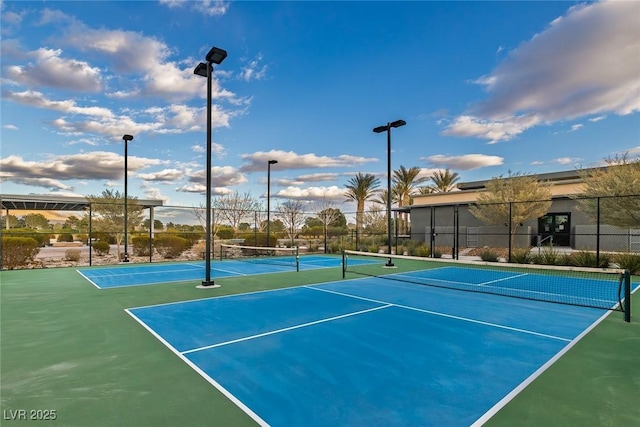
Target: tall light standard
(126, 139)
(215, 56)
(380, 129)
(269, 163)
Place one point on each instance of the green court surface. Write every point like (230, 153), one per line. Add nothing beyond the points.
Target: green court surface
(71, 349)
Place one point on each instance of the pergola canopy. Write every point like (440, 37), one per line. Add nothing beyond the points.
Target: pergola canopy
(56, 203)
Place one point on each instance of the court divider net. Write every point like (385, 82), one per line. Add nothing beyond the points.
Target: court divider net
(260, 254)
(602, 288)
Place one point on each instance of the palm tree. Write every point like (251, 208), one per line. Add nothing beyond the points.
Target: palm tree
(381, 196)
(405, 183)
(361, 188)
(443, 182)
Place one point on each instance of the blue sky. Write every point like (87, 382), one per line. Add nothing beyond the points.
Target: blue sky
(485, 88)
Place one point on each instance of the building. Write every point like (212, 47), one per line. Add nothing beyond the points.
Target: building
(444, 220)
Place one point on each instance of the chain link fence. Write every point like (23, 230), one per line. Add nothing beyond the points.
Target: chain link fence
(602, 226)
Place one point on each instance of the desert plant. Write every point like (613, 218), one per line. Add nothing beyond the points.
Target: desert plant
(72, 255)
(170, 246)
(140, 245)
(17, 251)
(588, 259)
(65, 237)
(489, 255)
(548, 256)
(521, 256)
(200, 249)
(101, 248)
(628, 261)
(423, 251)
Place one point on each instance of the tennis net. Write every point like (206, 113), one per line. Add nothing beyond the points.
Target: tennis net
(608, 289)
(259, 254)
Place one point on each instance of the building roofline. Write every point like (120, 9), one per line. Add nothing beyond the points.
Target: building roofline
(562, 176)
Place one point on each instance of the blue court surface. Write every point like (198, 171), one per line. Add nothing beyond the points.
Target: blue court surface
(147, 274)
(368, 352)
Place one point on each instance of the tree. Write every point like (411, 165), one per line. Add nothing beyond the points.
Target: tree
(234, 207)
(444, 182)
(405, 182)
(361, 188)
(616, 189)
(512, 201)
(74, 223)
(328, 216)
(291, 213)
(13, 221)
(108, 211)
(36, 221)
(157, 224)
(375, 220)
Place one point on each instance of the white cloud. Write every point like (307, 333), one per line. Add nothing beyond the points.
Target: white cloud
(464, 162)
(96, 165)
(50, 69)
(291, 160)
(254, 70)
(494, 131)
(221, 177)
(38, 100)
(564, 72)
(312, 193)
(10, 127)
(207, 7)
(567, 160)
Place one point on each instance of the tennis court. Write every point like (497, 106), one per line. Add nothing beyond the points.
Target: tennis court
(148, 274)
(370, 351)
(71, 348)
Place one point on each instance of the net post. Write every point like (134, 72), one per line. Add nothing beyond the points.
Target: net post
(627, 296)
(344, 264)
(297, 258)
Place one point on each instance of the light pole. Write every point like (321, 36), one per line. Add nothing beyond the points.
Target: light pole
(126, 139)
(215, 56)
(269, 163)
(380, 129)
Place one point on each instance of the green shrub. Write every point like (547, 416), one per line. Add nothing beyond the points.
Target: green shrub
(225, 232)
(170, 246)
(83, 238)
(65, 237)
(72, 255)
(628, 261)
(41, 238)
(140, 245)
(105, 237)
(548, 256)
(588, 259)
(192, 237)
(521, 256)
(422, 250)
(488, 255)
(18, 251)
(101, 248)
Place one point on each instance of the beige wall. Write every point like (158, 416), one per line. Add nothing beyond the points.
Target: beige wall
(470, 196)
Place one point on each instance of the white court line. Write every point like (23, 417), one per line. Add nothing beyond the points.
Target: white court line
(511, 395)
(203, 374)
(88, 280)
(290, 328)
(503, 279)
(450, 316)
